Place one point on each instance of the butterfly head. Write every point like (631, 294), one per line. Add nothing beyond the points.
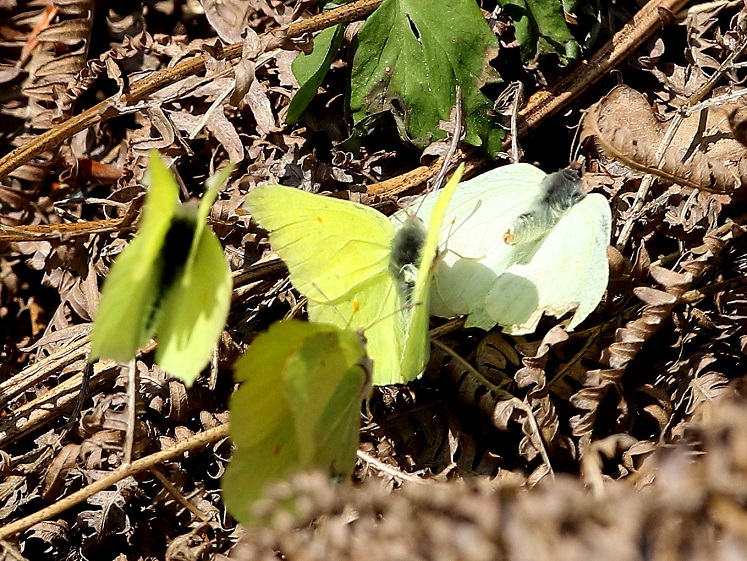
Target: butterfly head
(561, 190)
(558, 193)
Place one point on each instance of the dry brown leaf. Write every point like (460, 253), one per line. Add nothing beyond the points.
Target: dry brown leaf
(257, 101)
(54, 477)
(229, 18)
(703, 153)
(244, 71)
(224, 131)
(738, 123)
(628, 342)
(692, 505)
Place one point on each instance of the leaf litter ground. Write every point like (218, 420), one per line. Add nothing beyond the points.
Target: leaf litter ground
(647, 397)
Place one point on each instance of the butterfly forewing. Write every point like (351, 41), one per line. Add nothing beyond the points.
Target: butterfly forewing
(123, 321)
(329, 245)
(417, 347)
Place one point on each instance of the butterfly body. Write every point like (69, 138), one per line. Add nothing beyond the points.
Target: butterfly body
(557, 194)
(406, 254)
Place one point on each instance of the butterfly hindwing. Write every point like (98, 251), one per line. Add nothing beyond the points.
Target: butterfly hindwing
(472, 257)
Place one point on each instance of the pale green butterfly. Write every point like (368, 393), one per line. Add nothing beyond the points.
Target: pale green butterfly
(358, 272)
(172, 280)
(520, 244)
(298, 407)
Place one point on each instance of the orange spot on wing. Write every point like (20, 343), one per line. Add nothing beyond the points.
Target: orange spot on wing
(319, 219)
(356, 306)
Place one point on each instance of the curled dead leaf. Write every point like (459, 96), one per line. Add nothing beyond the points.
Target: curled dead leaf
(703, 152)
(738, 122)
(657, 310)
(228, 17)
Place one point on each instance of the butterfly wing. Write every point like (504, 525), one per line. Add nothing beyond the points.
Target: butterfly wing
(213, 184)
(310, 380)
(337, 253)
(194, 312)
(375, 307)
(397, 334)
(330, 246)
(478, 215)
(417, 346)
(131, 287)
(566, 270)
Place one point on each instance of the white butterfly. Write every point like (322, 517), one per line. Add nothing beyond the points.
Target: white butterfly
(518, 244)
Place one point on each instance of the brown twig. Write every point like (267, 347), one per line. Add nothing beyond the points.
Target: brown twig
(143, 464)
(545, 103)
(37, 232)
(180, 498)
(390, 470)
(129, 441)
(188, 67)
(540, 106)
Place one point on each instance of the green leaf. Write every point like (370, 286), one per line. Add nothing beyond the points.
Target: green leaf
(311, 69)
(589, 17)
(410, 57)
(297, 408)
(541, 29)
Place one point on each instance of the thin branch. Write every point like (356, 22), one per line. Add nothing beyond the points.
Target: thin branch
(143, 464)
(141, 89)
(129, 441)
(389, 470)
(545, 103)
(178, 495)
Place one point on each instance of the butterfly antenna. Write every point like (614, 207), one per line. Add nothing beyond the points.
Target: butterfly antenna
(454, 228)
